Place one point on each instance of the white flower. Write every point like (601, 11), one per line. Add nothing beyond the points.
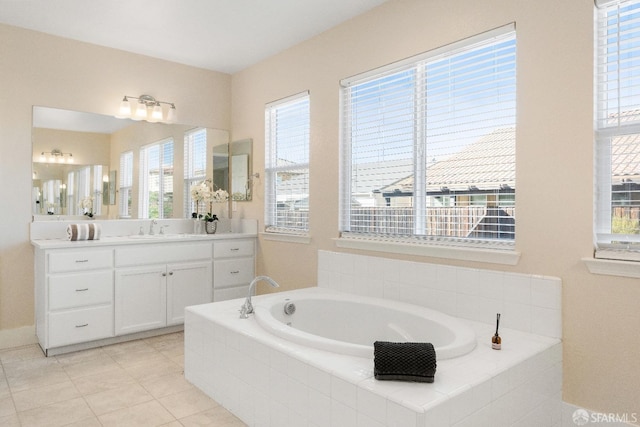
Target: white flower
(86, 203)
(220, 196)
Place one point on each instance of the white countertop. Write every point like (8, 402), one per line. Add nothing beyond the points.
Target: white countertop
(59, 243)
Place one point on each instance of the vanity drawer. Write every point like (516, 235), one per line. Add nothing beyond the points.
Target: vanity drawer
(162, 253)
(80, 260)
(233, 248)
(230, 293)
(87, 324)
(80, 289)
(232, 272)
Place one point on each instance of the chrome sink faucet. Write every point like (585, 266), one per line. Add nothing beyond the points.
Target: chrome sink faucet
(247, 307)
(153, 221)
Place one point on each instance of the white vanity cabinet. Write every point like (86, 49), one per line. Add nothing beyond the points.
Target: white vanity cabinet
(91, 293)
(233, 268)
(74, 299)
(154, 283)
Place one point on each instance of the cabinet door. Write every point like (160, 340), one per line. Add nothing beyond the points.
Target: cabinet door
(187, 284)
(140, 299)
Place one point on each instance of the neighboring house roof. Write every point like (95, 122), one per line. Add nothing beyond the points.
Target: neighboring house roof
(487, 164)
(625, 160)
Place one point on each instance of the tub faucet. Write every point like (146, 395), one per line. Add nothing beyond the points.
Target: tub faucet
(247, 307)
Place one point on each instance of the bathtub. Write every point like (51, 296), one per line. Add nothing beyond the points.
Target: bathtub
(349, 324)
(271, 374)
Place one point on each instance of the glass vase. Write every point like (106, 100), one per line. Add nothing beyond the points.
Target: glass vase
(211, 227)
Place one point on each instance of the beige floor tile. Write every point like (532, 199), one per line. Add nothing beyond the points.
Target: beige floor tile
(153, 368)
(103, 381)
(87, 422)
(215, 417)
(57, 414)
(34, 377)
(6, 407)
(119, 398)
(21, 353)
(80, 356)
(10, 421)
(42, 396)
(4, 388)
(187, 403)
(166, 385)
(103, 363)
(149, 414)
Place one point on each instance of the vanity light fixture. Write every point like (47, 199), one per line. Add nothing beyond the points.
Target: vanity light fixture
(56, 156)
(146, 108)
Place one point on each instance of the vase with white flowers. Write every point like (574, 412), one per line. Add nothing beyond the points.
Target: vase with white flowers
(211, 219)
(86, 204)
(203, 193)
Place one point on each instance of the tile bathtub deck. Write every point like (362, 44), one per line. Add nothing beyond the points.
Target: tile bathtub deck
(137, 383)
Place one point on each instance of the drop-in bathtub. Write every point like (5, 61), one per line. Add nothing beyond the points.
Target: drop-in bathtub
(284, 376)
(350, 324)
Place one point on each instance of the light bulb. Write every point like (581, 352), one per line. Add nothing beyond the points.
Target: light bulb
(125, 108)
(141, 111)
(157, 112)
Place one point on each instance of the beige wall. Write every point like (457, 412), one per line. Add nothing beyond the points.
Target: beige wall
(554, 162)
(38, 69)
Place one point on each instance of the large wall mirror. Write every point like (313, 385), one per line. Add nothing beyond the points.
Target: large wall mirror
(86, 163)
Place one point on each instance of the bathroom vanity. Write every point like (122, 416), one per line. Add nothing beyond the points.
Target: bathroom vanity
(90, 293)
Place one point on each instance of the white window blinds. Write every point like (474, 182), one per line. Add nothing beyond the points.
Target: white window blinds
(428, 145)
(195, 165)
(126, 184)
(156, 180)
(618, 127)
(287, 165)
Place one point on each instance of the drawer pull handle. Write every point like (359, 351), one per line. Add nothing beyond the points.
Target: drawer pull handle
(82, 260)
(82, 290)
(82, 326)
(164, 274)
(235, 249)
(171, 273)
(235, 272)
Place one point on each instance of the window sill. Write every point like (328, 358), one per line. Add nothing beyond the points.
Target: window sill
(493, 256)
(612, 267)
(289, 238)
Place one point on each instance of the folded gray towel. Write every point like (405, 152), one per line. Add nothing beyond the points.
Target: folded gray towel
(86, 231)
(406, 361)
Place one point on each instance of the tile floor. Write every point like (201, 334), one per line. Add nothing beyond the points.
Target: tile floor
(137, 383)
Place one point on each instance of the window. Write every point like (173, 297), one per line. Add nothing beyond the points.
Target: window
(156, 180)
(287, 165)
(428, 146)
(195, 164)
(617, 126)
(126, 184)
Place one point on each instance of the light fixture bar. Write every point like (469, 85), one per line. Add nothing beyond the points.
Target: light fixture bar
(56, 156)
(147, 108)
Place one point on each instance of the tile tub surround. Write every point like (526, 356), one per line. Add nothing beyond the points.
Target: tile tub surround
(268, 381)
(527, 302)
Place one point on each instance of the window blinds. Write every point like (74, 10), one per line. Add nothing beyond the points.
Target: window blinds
(618, 124)
(126, 183)
(428, 146)
(156, 180)
(287, 165)
(195, 164)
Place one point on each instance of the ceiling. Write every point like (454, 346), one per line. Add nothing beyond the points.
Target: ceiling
(220, 35)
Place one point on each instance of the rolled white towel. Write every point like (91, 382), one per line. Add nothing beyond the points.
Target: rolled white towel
(86, 231)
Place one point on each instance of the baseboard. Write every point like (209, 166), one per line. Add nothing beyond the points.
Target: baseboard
(18, 337)
(573, 415)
